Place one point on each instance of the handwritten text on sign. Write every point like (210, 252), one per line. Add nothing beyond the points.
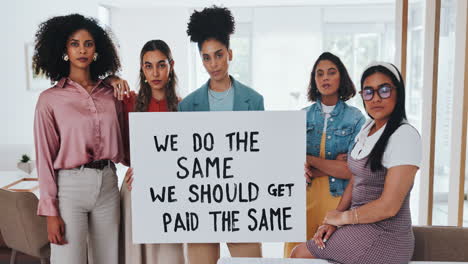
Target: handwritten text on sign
(218, 176)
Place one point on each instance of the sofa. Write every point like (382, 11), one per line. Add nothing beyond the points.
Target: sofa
(432, 243)
(440, 243)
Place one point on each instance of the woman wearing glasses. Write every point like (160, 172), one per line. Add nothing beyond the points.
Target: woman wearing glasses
(374, 213)
(332, 126)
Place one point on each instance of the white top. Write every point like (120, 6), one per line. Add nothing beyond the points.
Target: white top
(403, 148)
(326, 109)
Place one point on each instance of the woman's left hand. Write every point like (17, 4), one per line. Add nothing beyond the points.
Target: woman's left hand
(342, 157)
(322, 235)
(335, 218)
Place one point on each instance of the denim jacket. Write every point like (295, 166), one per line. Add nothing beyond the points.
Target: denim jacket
(343, 125)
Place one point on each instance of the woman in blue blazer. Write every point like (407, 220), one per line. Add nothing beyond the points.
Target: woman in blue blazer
(210, 29)
(221, 92)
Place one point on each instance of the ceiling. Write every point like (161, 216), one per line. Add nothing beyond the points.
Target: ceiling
(236, 3)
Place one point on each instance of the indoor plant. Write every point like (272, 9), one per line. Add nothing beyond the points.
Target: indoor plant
(26, 164)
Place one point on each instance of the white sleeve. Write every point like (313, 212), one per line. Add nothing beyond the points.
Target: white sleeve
(403, 148)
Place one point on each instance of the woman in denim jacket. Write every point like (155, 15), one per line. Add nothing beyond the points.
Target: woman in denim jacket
(332, 126)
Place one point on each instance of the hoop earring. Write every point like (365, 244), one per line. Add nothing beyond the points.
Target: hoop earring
(95, 56)
(65, 57)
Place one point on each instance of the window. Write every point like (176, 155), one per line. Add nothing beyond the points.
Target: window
(358, 45)
(444, 112)
(414, 83)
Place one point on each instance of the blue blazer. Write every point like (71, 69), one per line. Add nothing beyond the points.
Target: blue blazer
(245, 99)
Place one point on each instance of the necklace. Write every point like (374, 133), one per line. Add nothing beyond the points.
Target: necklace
(221, 98)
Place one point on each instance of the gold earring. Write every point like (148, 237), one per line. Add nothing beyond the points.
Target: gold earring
(146, 81)
(95, 56)
(65, 57)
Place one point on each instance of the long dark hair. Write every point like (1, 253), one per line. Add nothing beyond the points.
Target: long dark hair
(346, 90)
(145, 93)
(397, 117)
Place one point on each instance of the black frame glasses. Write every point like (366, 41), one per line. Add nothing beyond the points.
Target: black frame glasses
(384, 91)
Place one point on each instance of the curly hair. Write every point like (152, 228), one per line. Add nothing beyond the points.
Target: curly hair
(346, 90)
(145, 93)
(50, 45)
(212, 22)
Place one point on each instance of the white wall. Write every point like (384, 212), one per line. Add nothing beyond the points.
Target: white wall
(286, 42)
(134, 27)
(23, 18)
(360, 14)
(19, 21)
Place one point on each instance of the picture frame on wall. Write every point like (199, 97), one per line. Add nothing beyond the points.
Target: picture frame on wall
(35, 82)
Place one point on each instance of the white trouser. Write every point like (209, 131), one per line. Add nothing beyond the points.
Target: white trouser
(90, 207)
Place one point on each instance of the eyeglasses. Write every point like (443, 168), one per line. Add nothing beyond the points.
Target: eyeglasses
(383, 91)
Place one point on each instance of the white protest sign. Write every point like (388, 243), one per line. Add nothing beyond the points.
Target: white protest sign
(218, 177)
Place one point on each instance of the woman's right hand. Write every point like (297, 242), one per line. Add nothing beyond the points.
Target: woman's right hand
(129, 178)
(121, 87)
(56, 230)
(308, 173)
(323, 233)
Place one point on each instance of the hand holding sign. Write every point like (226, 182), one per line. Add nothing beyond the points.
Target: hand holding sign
(129, 178)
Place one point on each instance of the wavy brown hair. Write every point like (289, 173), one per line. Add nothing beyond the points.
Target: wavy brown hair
(346, 90)
(145, 93)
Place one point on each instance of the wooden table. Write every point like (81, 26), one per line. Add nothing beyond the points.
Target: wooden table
(8, 177)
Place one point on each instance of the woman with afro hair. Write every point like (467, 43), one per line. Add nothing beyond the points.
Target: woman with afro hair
(211, 29)
(78, 130)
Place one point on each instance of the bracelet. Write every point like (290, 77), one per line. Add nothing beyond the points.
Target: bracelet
(356, 216)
